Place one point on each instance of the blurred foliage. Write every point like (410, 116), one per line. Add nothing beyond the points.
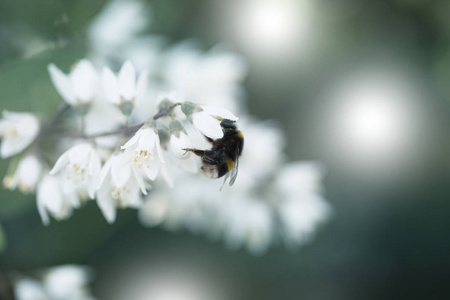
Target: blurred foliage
(2, 239)
(26, 85)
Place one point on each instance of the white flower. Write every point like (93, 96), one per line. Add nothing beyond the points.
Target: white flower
(300, 218)
(154, 210)
(30, 289)
(17, 131)
(303, 207)
(82, 163)
(248, 221)
(141, 148)
(207, 121)
(119, 186)
(27, 175)
(68, 282)
(124, 87)
(103, 117)
(117, 25)
(50, 196)
(80, 86)
(300, 178)
(177, 144)
(262, 153)
(212, 77)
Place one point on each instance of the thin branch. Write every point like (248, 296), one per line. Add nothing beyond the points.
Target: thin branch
(165, 112)
(125, 130)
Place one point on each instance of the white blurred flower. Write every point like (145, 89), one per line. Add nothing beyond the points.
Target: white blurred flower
(300, 218)
(191, 205)
(117, 25)
(263, 152)
(141, 148)
(213, 77)
(207, 121)
(300, 178)
(80, 86)
(103, 117)
(68, 282)
(155, 208)
(302, 208)
(27, 175)
(82, 163)
(17, 131)
(124, 87)
(120, 185)
(30, 289)
(51, 197)
(248, 222)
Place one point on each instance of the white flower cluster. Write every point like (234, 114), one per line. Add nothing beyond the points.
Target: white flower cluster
(124, 178)
(272, 201)
(135, 128)
(66, 282)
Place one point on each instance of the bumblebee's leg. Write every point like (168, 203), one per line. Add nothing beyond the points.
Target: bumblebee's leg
(207, 156)
(197, 152)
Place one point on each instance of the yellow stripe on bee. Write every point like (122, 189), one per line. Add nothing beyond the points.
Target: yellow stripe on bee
(219, 118)
(240, 135)
(230, 164)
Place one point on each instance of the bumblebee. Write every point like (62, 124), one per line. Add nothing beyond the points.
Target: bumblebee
(223, 158)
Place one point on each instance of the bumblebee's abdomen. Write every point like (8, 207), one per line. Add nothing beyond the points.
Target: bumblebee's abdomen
(219, 170)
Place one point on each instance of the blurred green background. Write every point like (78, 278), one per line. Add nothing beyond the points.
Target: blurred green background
(390, 234)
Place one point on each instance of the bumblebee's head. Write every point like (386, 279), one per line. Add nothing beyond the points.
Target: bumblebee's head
(228, 124)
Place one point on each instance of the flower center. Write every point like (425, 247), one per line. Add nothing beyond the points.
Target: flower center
(9, 133)
(120, 194)
(142, 158)
(76, 173)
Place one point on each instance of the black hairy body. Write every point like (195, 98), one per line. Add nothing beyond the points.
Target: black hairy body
(223, 157)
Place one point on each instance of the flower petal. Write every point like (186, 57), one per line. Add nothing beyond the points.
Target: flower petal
(49, 195)
(127, 81)
(105, 171)
(158, 148)
(218, 111)
(207, 125)
(42, 210)
(62, 84)
(147, 139)
(110, 86)
(79, 153)
(94, 167)
(139, 180)
(84, 81)
(120, 172)
(105, 203)
(9, 148)
(152, 171)
(62, 161)
(178, 144)
(142, 86)
(133, 140)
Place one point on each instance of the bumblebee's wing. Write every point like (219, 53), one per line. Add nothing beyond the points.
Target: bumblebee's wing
(234, 172)
(224, 180)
